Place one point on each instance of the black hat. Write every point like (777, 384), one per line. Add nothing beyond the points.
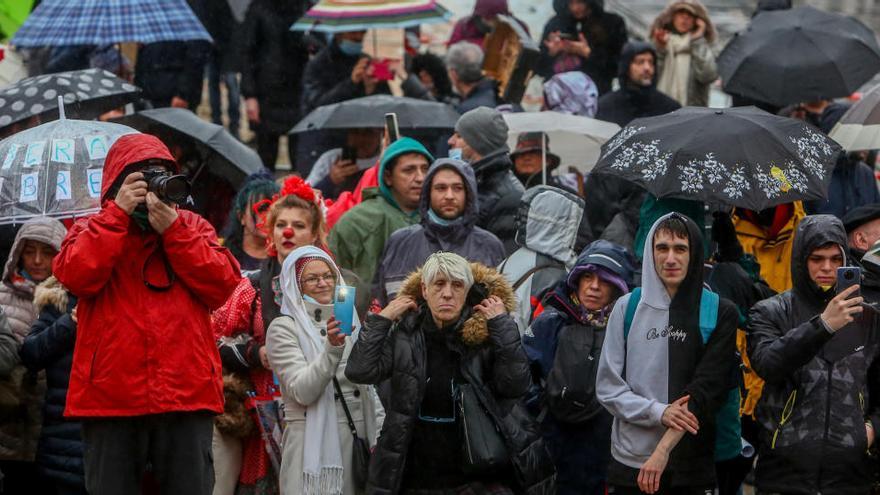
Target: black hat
(857, 217)
(528, 142)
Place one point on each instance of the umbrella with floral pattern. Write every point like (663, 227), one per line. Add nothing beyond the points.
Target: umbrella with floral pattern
(742, 157)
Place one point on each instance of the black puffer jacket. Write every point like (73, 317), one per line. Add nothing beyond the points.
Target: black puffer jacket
(498, 193)
(273, 59)
(492, 360)
(49, 346)
(819, 389)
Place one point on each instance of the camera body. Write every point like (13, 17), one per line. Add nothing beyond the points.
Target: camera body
(167, 187)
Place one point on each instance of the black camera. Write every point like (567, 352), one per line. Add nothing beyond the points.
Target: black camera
(168, 188)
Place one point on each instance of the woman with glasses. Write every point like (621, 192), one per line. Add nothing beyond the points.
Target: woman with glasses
(448, 332)
(308, 351)
(291, 219)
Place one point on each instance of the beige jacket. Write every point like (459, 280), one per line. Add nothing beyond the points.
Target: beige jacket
(302, 383)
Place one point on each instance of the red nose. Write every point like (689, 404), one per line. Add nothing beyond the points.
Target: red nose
(287, 233)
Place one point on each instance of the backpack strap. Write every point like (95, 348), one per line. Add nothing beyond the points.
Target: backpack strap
(631, 305)
(708, 313)
(528, 274)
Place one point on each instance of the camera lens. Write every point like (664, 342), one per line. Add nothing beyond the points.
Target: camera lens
(176, 189)
(849, 275)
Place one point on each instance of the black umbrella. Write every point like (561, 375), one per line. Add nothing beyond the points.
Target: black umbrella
(225, 156)
(737, 157)
(799, 55)
(87, 94)
(369, 112)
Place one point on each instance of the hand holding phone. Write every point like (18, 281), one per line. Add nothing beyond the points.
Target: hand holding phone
(848, 276)
(343, 307)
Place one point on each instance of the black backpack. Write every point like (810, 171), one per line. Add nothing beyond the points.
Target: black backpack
(570, 391)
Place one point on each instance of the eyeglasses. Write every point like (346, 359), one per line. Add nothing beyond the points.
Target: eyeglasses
(328, 278)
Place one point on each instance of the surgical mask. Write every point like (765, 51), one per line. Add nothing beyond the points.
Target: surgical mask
(351, 48)
(455, 154)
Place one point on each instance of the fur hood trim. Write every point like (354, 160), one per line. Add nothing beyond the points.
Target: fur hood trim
(475, 331)
(664, 20)
(51, 292)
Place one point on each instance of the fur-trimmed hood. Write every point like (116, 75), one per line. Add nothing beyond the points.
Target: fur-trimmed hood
(51, 292)
(474, 331)
(664, 20)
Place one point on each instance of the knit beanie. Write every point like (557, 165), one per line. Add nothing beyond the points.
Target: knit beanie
(301, 265)
(484, 130)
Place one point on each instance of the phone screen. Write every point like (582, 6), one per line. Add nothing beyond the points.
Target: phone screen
(392, 127)
(343, 307)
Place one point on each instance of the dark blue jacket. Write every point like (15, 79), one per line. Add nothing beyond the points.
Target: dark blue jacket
(852, 185)
(49, 346)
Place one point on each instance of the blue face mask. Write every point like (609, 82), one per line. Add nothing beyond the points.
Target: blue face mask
(351, 48)
(455, 154)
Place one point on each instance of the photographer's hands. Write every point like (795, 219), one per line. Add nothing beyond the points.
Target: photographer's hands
(160, 215)
(132, 192)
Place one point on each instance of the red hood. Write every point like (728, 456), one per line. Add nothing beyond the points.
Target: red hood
(128, 149)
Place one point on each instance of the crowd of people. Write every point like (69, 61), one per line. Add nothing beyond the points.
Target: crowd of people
(509, 334)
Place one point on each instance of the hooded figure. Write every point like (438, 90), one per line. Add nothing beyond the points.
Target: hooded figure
(547, 223)
(685, 61)
(663, 359)
(318, 445)
(819, 391)
(474, 27)
(576, 428)
(485, 354)
(604, 32)
(358, 238)
(408, 248)
(144, 348)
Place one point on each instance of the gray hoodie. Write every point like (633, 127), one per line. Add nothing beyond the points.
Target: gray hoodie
(662, 359)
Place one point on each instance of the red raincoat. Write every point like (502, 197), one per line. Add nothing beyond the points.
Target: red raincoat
(139, 350)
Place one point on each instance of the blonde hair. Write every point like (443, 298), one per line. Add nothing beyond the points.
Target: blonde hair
(319, 226)
(450, 265)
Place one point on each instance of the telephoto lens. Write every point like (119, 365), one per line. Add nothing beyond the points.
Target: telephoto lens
(168, 188)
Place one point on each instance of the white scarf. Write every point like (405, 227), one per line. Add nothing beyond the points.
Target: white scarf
(676, 71)
(322, 453)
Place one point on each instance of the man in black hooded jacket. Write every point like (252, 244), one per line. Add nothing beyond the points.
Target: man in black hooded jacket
(817, 352)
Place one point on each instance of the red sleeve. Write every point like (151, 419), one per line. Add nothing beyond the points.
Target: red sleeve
(90, 251)
(235, 316)
(199, 261)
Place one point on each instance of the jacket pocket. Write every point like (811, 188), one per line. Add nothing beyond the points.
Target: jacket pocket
(786, 415)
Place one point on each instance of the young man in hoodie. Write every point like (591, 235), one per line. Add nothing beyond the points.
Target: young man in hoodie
(662, 378)
(816, 348)
(448, 209)
(358, 238)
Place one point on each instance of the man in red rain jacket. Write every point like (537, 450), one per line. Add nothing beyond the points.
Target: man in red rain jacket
(146, 374)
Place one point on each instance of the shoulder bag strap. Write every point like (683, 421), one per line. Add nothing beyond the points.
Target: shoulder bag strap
(345, 408)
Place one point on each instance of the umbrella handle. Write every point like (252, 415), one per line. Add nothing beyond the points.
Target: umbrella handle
(61, 115)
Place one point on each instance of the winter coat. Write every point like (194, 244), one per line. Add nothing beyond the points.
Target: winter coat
(820, 387)
(302, 384)
(327, 79)
(631, 102)
(604, 31)
(703, 70)
(547, 228)
(498, 195)
(484, 94)
(141, 351)
(408, 248)
(273, 62)
(473, 29)
(49, 347)
(225, 30)
(773, 254)
(166, 69)
(22, 391)
(852, 185)
(662, 358)
(492, 361)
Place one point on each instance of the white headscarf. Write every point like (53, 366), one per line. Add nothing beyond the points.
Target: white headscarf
(322, 454)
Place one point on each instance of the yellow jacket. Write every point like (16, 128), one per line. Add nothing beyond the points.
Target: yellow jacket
(774, 255)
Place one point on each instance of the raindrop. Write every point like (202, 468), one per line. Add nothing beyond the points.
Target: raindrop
(31, 92)
(50, 94)
(37, 108)
(17, 106)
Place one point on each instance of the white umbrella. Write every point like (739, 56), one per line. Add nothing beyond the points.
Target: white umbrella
(577, 140)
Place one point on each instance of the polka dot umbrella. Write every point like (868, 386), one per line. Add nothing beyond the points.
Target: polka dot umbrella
(86, 93)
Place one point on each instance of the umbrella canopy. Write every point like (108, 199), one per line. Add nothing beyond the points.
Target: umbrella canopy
(225, 156)
(99, 22)
(738, 157)
(859, 128)
(369, 112)
(55, 169)
(799, 55)
(338, 16)
(577, 140)
(87, 94)
(12, 15)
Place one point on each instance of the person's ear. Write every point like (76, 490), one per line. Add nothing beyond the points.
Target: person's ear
(424, 291)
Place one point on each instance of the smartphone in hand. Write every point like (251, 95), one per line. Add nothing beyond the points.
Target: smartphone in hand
(392, 127)
(343, 307)
(847, 276)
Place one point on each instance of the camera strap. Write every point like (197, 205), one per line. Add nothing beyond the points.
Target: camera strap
(169, 271)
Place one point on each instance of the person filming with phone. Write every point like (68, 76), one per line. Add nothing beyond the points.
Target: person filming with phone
(816, 346)
(328, 417)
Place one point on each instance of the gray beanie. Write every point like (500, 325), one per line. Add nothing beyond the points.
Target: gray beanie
(484, 130)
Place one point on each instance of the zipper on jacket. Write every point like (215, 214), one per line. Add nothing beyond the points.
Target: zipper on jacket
(786, 413)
